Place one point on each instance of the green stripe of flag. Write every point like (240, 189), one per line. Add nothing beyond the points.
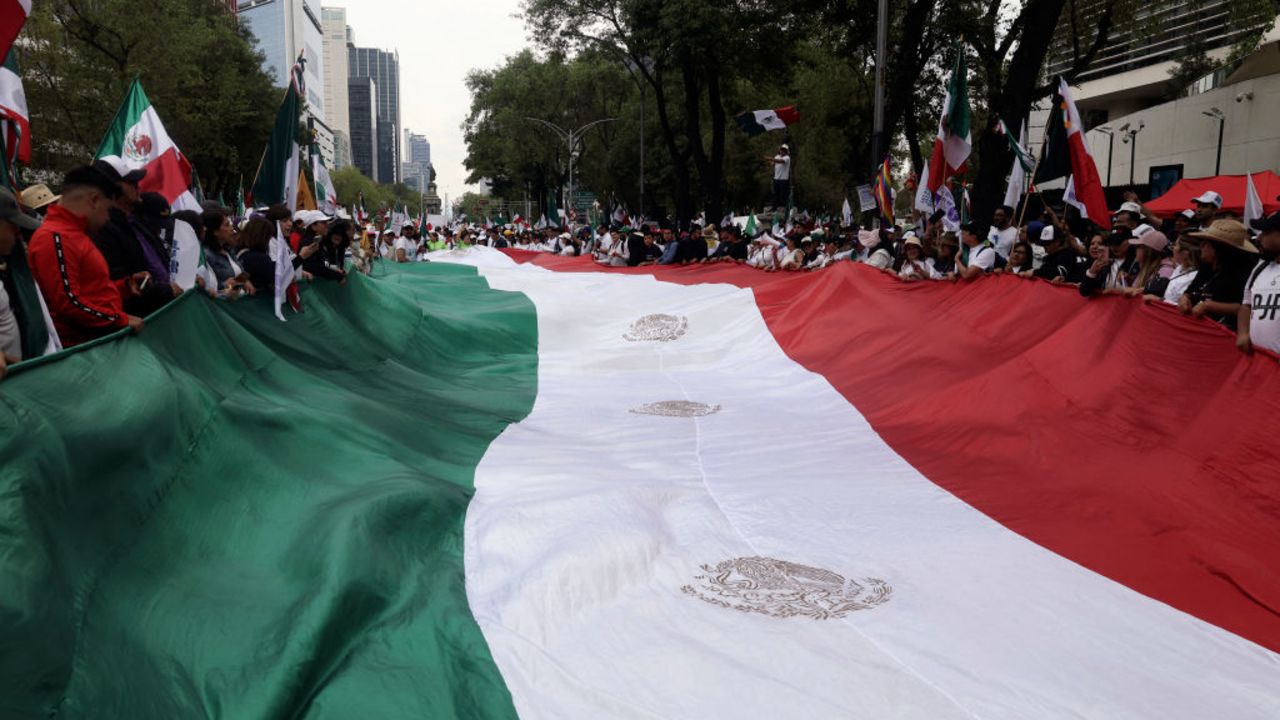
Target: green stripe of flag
(261, 520)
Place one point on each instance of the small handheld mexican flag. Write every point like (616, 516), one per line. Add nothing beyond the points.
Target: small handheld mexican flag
(138, 139)
(754, 122)
(952, 145)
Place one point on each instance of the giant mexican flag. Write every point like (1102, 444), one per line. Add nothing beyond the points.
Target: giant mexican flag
(511, 485)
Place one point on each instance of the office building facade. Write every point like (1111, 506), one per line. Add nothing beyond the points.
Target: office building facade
(384, 69)
(334, 23)
(284, 29)
(362, 96)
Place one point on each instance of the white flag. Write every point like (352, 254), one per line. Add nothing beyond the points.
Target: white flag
(924, 199)
(1018, 177)
(282, 255)
(946, 202)
(326, 195)
(1252, 203)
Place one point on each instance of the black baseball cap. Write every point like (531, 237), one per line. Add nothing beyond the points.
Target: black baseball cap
(1269, 223)
(974, 227)
(1118, 237)
(153, 204)
(90, 176)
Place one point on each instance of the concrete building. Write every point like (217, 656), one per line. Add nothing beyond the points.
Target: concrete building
(384, 69)
(362, 93)
(334, 22)
(1139, 125)
(284, 29)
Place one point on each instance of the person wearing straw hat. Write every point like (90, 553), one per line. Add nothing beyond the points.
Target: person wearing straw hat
(1258, 323)
(1226, 257)
(38, 198)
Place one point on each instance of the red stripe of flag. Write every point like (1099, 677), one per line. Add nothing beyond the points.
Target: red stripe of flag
(789, 114)
(1019, 398)
(169, 175)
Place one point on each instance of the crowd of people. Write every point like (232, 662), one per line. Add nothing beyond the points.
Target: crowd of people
(97, 257)
(1203, 260)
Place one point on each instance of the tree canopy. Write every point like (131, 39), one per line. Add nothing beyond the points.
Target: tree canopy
(198, 67)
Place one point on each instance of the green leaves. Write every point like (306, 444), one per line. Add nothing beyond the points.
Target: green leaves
(199, 68)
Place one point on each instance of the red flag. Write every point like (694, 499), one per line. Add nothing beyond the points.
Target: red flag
(1085, 181)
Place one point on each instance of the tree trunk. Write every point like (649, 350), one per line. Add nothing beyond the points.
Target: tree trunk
(715, 199)
(679, 161)
(693, 135)
(907, 64)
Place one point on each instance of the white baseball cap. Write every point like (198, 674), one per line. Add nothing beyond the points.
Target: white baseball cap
(1131, 206)
(1209, 198)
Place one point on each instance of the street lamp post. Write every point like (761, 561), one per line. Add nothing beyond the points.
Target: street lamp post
(1131, 137)
(1111, 144)
(632, 67)
(571, 138)
(1221, 117)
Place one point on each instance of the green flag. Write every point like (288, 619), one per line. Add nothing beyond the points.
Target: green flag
(1055, 155)
(277, 179)
(553, 214)
(1019, 152)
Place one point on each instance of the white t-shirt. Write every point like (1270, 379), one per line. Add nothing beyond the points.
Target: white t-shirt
(1003, 240)
(918, 269)
(880, 259)
(10, 335)
(1178, 284)
(409, 247)
(983, 257)
(1263, 297)
(781, 167)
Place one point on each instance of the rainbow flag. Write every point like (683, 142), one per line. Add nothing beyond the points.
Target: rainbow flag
(884, 194)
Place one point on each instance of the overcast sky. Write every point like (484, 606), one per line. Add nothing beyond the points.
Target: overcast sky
(439, 41)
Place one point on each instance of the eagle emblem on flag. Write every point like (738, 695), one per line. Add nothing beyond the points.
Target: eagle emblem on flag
(657, 328)
(783, 589)
(138, 146)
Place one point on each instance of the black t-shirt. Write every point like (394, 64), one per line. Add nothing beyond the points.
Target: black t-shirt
(1064, 263)
(1224, 284)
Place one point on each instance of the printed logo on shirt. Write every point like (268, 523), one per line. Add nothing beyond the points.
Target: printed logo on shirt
(1266, 306)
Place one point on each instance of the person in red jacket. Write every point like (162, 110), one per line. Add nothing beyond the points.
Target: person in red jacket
(83, 300)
